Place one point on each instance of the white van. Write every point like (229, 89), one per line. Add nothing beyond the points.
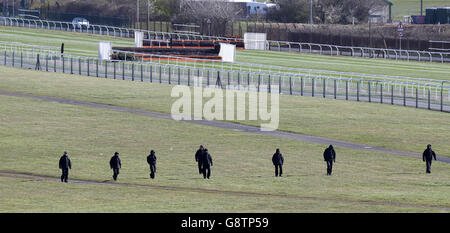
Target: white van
(79, 22)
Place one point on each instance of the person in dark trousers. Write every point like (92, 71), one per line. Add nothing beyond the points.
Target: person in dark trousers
(427, 157)
(207, 162)
(198, 155)
(115, 164)
(278, 160)
(151, 160)
(329, 155)
(65, 165)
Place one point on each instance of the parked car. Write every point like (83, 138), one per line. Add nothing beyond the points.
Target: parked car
(79, 22)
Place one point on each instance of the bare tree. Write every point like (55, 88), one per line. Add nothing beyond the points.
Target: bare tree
(214, 12)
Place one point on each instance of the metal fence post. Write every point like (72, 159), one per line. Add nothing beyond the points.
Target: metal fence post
(279, 84)
(63, 64)
(151, 73)
(54, 65)
(132, 71)
(160, 74)
(429, 96)
(269, 84)
(114, 68)
(142, 73)
(21, 60)
(357, 90)
(170, 75)
(290, 85)
(96, 68)
(179, 78)
(87, 61)
(346, 89)
(13, 58)
(335, 89)
(123, 70)
(46, 62)
(5, 58)
(417, 97)
(71, 65)
(259, 81)
(370, 96)
(207, 79)
(404, 96)
(392, 94)
(301, 86)
(189, 77)
(313, 80)
(324, 87)
(79, 66)
(442, 97)
(239, 80)
(106, 69)
(381, 93)
(198, 77)
(218, 80)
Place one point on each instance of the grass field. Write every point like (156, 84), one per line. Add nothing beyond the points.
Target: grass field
(34, 133)
(412, 7)
(394, 127)
(87, 45)
(37, 132)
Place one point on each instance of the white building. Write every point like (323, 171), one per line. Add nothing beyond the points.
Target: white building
(381, 14)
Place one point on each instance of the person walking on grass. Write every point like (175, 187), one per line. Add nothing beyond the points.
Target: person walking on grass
(427, 157)
(65, 165)
(329, 155)
(278, 160)
(206, 163)
(151, 160)
(115, 164)
(198, 156)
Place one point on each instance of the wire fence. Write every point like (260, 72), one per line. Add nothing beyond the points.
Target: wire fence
(250, 67)
(419, 95)
(323, 49)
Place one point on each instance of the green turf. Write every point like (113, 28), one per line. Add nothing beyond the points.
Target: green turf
(394, 127)
(34, 134)
(412, 7)
(347, 64)
(75, 43)
(87, 45)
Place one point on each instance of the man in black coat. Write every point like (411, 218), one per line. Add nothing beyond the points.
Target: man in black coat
(65, 165)
(278, 160)
(198, 155)
(115, 164)
(329, 155)
(427, 157)
(151, 160)
(206, 163)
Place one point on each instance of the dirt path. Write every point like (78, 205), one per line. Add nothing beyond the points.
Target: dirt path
(35, 177)
(231, 126)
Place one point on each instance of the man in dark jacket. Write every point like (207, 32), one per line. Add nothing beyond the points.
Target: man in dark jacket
(115, 164)
(198, 155)
(206, 163)
(427, 157)
(329, 155)
(65, 165)
(278, 160)
(151, 160)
